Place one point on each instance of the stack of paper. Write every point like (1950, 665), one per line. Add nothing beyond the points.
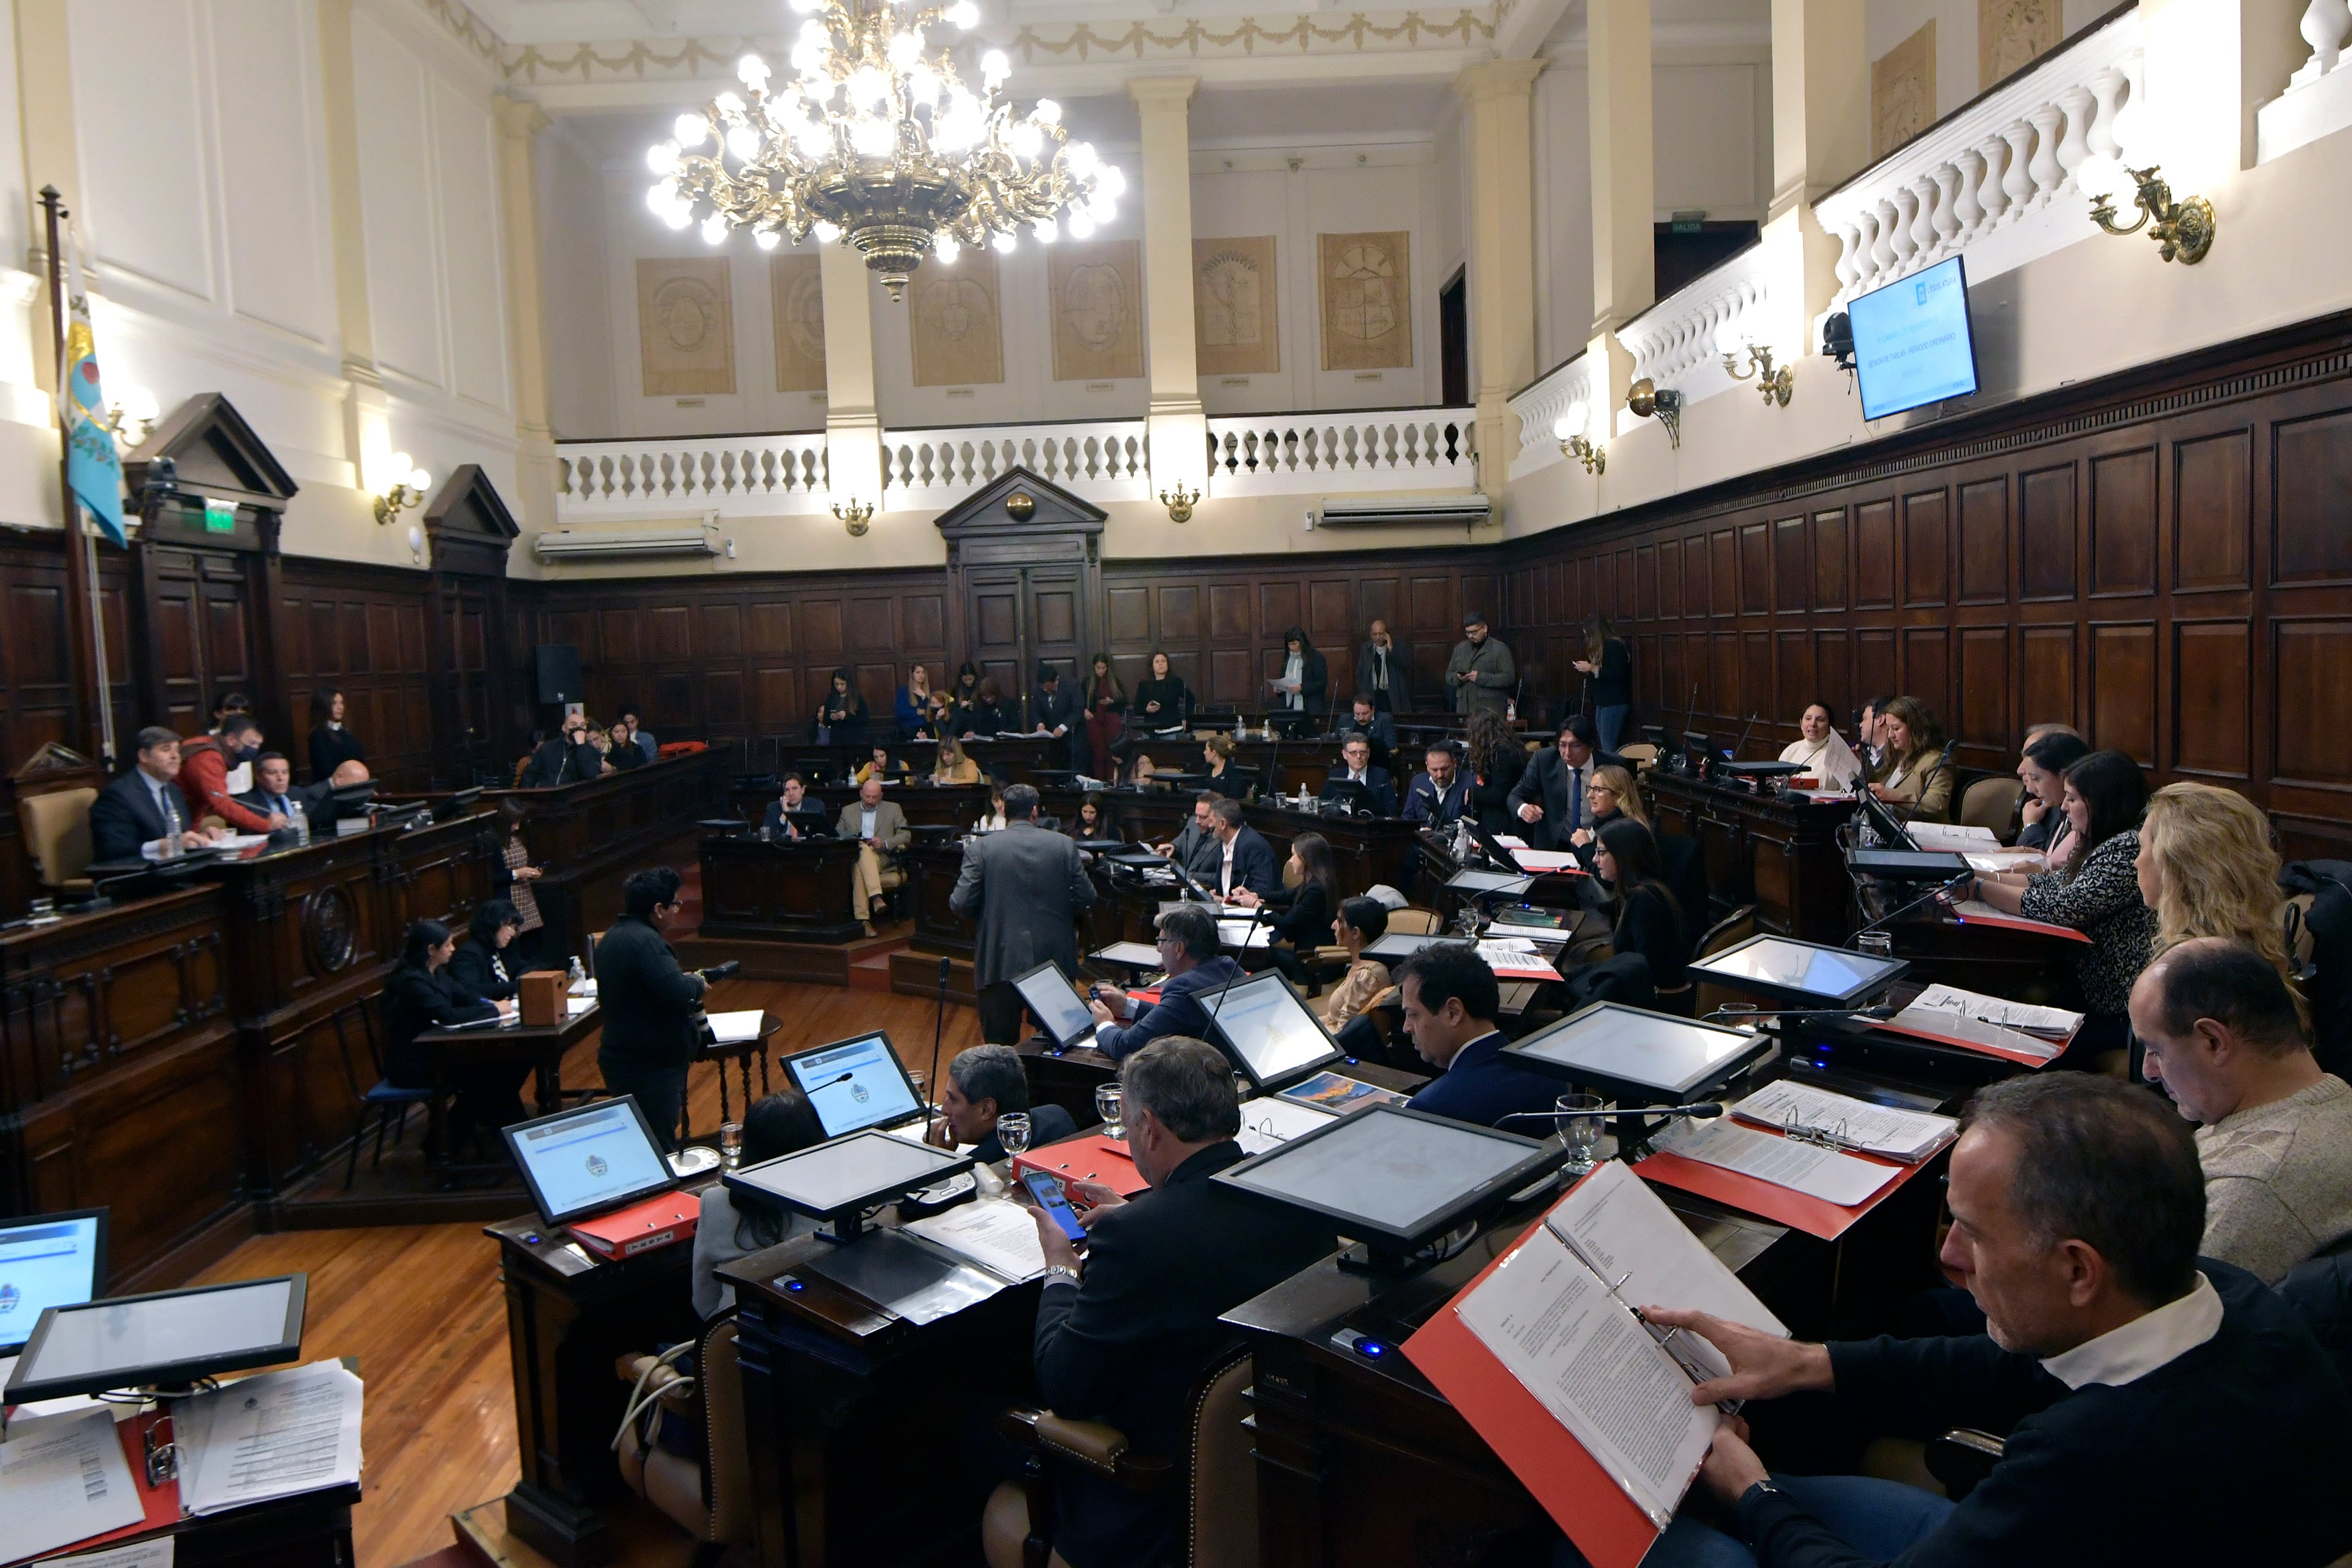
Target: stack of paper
(994, 1233)
(734, 1028)
(2018, 1030)
(1907, 1136)
(1959, 838)
(1516, 958)
(1547, 860)
(266, 1436)
(63, 1478)
(1808, 1169)
(1271, 1120)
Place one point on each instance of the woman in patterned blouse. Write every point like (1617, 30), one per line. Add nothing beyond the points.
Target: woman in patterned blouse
(2097, 894)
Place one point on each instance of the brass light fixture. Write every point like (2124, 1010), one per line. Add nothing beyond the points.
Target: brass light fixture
(1021, 506)
(407, 489)
(1777, 387)
(855, 515)
(1664, 405)
(2183, 230)
(1570, 430)
(1179, 502)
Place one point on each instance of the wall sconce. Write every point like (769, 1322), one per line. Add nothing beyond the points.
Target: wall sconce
(405, 491)
(1570, 429)
(132, 418)
(1179, 502)
(1650, 401)
(2183, 231)
(1777, 387)
(855, 515)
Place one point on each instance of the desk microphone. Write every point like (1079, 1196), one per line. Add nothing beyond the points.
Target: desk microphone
(1949, 885)
(939, 1027)
(1741, 743)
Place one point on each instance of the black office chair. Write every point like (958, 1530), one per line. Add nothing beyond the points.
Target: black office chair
(387, 1100)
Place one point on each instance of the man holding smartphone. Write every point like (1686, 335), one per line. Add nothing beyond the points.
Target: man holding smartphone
(1124, 1334)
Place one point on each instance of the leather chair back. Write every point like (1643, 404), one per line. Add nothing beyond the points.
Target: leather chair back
(1409, 922)
(1992, 803)
(727, 1474)
(57, 833)
(1224, 1512)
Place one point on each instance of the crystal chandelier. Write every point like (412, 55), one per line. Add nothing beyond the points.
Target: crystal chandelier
(879, 144)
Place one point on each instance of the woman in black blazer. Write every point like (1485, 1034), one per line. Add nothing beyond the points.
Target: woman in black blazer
(419, 996)
(843, 713)
(1160, 701)
(1303, 907)
(488, 965)
(331, 745)
(1497, 760)
(1649, 920)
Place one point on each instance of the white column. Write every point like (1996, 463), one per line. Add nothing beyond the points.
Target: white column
(1821, 135)
(367, 429)
(852, 424)
(1502, 251)
(1624, 205)
(519, 124)
(1179, 430)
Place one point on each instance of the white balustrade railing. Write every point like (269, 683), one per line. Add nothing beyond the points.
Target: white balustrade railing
(2318, 97)
(1107, 460)
(734, 475)
(1996, 180)
(1318, 454)
(1680, 341)
(1540, 408)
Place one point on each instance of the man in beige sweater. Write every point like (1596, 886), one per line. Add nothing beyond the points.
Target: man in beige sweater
(2223, 1037)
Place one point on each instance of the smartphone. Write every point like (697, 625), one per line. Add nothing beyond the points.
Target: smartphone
(1049, 1196)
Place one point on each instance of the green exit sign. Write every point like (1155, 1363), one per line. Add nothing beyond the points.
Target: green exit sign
(220, 516)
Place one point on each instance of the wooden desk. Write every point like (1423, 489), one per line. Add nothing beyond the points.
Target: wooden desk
(569, 1315)
(1779, 853)
(540, 1048)
(782, 892)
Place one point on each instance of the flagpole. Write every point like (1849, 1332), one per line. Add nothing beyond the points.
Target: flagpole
(81, 645)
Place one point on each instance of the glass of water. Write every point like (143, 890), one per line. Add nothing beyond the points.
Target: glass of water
(1012, 1131)
(730, 1144)
(922, 1087)
(1581, 1134)
(1110, 1104)
(1877, 943)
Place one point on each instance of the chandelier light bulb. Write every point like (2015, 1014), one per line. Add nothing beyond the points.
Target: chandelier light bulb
(1026, 139)
(744, 142)
(1103, 210)
(825, 232)
(1046, 231)
(751, 71)
(904, 49)
(869, 87)
(660, 197)
(964, 14)
(1081, 226)
(1109, 181)
(1079, 157)
(815, 32)
(923, 85)
(766, 239)
(995, 65)
(714, 229)
(727, 103)
(692, 130)
(813, 138)
(678, 215)
(1002, 245)
(1047, 113)
(946, 248)
(873, 137)
(662, 157)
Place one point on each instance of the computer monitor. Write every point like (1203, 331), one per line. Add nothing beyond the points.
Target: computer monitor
(1631, 1053)
(1913, 344)
(1800, 974)
(351, 799)
(1347, 792)
(166, 1340)
(840, 1178)
(1272, 1035)
(1392, 1178)
(1496, 851)
(48, 1261)
(1908, 865)
(1060, 1012)
(1477, 882)
(458, 805)
(855, 1084)
(590, 1160)
(1884, 822)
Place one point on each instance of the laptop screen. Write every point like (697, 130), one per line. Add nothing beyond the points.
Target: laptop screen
(589, 1161)
(47, 1260)
(1061, 1010)
(855, 1084)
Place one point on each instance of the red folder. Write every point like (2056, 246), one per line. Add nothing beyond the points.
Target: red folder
(2020, 923)
(1581, 1498)
(1769, 1200)
(1092, 1158)
(1983, 1048)
(663, 1220)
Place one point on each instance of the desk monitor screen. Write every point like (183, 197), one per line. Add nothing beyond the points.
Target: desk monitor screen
(48, 1261)
(1804, 973)
(1912, 344)
(1401, 945)
(167, 1340)
(590, 1160)
(853, 1084)
(1635, 1051)
(1395, 1175)
(846, 1174)
(1478, 882)
(1272, 1034)
(1057, 1009)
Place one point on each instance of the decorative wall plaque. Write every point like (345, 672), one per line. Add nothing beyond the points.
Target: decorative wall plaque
(1096, 292)
(2011, 34)
(686, 325)
(1233, 316)
(1367, 292)
(1903, 91)
(797, 294)
(956, 336)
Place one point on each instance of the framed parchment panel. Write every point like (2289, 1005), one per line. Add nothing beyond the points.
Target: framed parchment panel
(1367, 291)
(1903, 91)
(958, 339)
(2011, 34)
(1096, 294)
(686, 325)
(797, 298)
(1233, 318)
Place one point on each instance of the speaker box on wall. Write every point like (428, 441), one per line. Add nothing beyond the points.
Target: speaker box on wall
(558, 667)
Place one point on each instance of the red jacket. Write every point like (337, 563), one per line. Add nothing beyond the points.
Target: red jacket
(204, 780)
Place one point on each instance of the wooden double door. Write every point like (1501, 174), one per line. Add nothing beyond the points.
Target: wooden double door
(1019, 615)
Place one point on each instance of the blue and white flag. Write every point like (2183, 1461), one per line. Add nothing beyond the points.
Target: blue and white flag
(93, 466)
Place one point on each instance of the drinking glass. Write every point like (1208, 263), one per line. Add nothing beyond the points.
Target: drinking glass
(1580, 1134)
(1012, 1131)
(1110, 1105)
(730, 1144)
(921, 1081)
(1877, 943)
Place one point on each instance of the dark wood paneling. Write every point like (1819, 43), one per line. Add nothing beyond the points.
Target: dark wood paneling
(2212, 511)
(361, 631)
(2310, 464)
(2212, 669)
(1926, 562)
(1984, 542)
(2123, 524)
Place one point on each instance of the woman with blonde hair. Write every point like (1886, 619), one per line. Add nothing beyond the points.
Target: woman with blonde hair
(953, 766)
(2207, 868)
(1915, 772)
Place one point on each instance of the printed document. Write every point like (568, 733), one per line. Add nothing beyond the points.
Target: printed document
(734, 1028)
(1907, 1136)
(994, 1233)
(63, 1478)
(1784, 1162)
(1271, 1120)
(268, 1436)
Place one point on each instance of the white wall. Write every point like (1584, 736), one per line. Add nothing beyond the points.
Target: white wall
(583, 395)
(1886, 23)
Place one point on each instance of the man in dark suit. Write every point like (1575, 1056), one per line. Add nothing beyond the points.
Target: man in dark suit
(1196, 966)
(1025, 886)
(568, 759)
(984, 1084)
(1450, 999)
(1551, 797)
(273, 790)
(1438, 795)
(1245, 860)
(1357, 767)
(782, 821)
(1123, 1335)
(319, 799)
(1381, 728)
(144, 806)
(649, 1003)
(2117, 1366)
(1382, 672)
(1196, 848)
(1057, 707)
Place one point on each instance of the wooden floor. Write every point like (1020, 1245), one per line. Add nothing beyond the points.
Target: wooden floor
(422, 1309)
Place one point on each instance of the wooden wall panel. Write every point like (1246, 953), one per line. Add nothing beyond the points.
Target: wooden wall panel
(2212, 511)
(2312, 461)
(361, 630)
(2123, 524)
(1925, 560)
(2045, 506)
(1984, 542)
(2314, 701)
(2211, 685)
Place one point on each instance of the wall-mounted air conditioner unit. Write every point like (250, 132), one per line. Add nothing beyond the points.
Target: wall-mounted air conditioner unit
(1401, 511)
(596, 544)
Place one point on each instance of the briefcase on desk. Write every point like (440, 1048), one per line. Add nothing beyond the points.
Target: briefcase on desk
(538, 998)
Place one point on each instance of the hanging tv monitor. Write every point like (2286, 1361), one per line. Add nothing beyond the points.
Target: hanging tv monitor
(1912, 345)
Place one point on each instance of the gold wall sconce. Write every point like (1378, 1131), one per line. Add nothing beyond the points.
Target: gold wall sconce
(1650, 401)
(407, 489)
(132, 417)
(1179, 502)
(2183, 230)
(855, 515)
(1572, 432)
(1777, 387)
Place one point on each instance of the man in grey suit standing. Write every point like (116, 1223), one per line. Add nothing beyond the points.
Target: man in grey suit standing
(1025, 886)
(1480, 674)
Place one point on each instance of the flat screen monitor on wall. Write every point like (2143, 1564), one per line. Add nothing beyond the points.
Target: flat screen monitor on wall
(1912, 345)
